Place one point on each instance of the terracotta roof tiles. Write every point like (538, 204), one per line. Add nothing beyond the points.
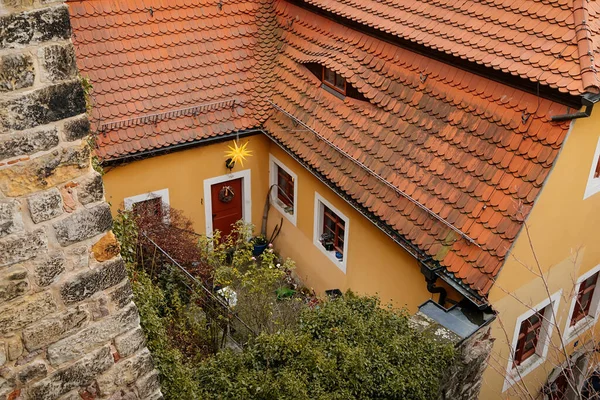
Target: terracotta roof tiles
(473, 151)
(552, 42)
(157, 56)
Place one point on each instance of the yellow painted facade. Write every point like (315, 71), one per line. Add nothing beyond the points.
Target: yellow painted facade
(563, 230)
(375, 264)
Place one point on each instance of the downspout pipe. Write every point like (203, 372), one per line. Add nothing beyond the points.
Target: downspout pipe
(587, 100)
(431, 277)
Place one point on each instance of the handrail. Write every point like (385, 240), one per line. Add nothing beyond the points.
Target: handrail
(199, 283)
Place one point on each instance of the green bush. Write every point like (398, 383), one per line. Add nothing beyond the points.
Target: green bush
(347, 348)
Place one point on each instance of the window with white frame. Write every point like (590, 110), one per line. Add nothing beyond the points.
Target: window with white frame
(593, 185)
(331, 231)
(584, 304)
(531, 339)
(284, 195)
(151, 204)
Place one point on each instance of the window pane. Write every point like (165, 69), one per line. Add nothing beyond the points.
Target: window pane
(340, 82)
(329, 76)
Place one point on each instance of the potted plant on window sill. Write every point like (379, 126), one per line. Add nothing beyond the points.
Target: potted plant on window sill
(327, 241)
(260, 244)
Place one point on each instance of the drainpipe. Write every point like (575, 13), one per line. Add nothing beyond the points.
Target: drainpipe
(587, 100)
(431, 277)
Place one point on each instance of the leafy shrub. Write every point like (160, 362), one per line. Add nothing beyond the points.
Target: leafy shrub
(347, 348)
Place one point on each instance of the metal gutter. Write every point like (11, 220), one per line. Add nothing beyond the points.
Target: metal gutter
(587, 100)
(181, 146)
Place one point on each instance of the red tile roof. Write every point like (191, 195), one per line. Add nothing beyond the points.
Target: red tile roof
(473, 151)
(433, 146)
(156, 56)
(553, 42)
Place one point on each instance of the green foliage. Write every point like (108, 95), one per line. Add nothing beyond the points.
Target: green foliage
(348, 348)
(345, 348)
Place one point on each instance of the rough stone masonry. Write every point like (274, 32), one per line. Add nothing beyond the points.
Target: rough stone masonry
(68, 327)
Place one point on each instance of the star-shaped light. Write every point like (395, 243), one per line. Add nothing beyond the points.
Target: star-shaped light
(238, 153)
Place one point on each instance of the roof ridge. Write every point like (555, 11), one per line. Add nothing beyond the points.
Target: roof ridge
(585, 47)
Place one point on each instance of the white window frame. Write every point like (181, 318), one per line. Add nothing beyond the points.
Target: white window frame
(246, 197)
(514, 375)
(318, 230)
(274, 163)
(162, 193)
(593, 184)
(573, 332)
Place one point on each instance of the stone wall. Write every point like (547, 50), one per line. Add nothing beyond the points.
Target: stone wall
(464, 378)
(68, 327)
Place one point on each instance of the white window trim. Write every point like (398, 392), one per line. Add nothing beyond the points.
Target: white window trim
(593, 184)
(273, 163)
(246, 197)
(514, 375)
(573, 332)
(162, 193)
(318, 223)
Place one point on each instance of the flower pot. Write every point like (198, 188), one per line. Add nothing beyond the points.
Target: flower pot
(259, 249)
(328, 246)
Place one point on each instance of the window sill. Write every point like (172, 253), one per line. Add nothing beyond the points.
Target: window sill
(574, 332)
(285, 210)
(518, 373)
(341, 264)
(592, 188)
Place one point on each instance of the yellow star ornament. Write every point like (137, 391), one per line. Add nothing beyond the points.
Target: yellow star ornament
(238, 153)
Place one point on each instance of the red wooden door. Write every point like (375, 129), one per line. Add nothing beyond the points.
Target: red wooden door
(226, 200)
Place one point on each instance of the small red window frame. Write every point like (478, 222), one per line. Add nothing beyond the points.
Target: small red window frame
(528, 326)
(333, 85)
(339, 228)
(585, 294)
(149, 208)
(597, 171)
(285, 193)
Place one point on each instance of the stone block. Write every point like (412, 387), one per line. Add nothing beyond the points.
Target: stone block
(34, 371)
(122, 295)
(16, 72)
(24, 311)
(58, 62)
(80, 373)
(83, 225)
(124, 394)
(10, 217)
(50, 330)
(48, 268)
(34, 27)
(130, 342)
(25, 143)
(13, 283)
(91, 190)
(88, 283)
(77, 128)
(148, 386)
(3, 353)
(125, 373)
(21, 247)
(6, 385)
(14, 347)
(106, 248)
(94, 335)
(44, 172)
(42, 106)
(45, 205)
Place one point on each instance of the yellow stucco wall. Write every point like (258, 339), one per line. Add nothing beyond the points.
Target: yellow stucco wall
(563, 229)
(375, 264)
(183, 173)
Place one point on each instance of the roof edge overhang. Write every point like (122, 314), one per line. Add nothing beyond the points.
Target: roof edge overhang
(526, 85)
(422, 258)
(112, 162)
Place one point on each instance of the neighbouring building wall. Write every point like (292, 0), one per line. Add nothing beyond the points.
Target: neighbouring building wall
(563, 231)
(68, 326)
(183, 173)
(375, 263)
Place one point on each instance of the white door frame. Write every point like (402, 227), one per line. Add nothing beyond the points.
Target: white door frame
(246, 197)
